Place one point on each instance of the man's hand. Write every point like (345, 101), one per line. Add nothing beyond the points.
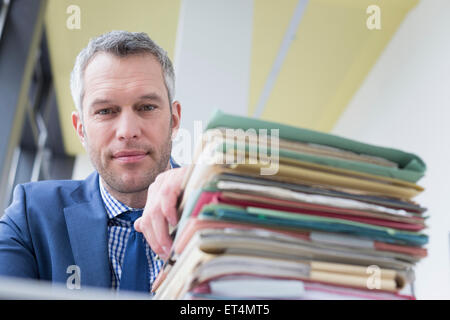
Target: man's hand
(160, 210)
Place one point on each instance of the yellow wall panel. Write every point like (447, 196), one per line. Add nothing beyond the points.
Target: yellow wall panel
(330, 56)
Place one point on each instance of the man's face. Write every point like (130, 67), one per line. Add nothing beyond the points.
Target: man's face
(127, 124)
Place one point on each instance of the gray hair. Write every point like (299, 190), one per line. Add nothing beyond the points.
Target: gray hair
(121, 44)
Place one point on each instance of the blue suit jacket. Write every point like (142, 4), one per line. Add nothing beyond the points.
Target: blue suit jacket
(52, 225)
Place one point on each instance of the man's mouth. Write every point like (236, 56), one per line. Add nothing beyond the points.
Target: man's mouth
(130, 156)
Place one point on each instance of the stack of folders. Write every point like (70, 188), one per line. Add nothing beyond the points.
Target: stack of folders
(270, 211)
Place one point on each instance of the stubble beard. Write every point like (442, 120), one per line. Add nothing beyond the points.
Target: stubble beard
(140, 183)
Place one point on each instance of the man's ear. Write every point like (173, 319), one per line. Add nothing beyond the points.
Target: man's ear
(78, 126)
(176, 118)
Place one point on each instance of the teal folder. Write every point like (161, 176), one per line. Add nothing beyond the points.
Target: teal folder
(274, 218)
(410, 167)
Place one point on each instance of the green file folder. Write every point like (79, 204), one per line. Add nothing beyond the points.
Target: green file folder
(410, 167)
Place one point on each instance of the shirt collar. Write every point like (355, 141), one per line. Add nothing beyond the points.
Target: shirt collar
(113, 206)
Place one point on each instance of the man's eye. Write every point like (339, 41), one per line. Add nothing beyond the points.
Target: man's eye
(148, 107)
(104, 111)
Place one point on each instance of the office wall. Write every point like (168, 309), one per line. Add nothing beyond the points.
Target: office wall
(405, 103)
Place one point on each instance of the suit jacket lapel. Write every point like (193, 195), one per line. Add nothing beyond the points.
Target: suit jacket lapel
(86, 222)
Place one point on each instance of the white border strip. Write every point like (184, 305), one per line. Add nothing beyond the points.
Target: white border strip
(279, 60)
(4, 12)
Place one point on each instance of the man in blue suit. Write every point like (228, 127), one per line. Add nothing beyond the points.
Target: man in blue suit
(123, 88)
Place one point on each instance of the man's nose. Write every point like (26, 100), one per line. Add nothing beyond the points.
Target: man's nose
(128, 126)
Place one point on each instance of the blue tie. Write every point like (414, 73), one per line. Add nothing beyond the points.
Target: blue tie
(135, 270)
